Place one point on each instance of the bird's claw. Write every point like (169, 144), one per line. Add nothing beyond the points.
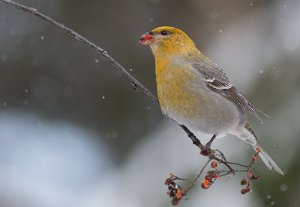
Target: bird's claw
(207, 151)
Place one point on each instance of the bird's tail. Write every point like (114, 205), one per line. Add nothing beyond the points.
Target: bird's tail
(246, 134)
(269, 162)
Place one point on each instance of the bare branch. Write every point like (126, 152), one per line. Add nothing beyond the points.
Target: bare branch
(138, 85)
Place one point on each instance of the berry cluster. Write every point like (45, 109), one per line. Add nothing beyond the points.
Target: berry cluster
(211, 176)
(175, 191)
(251, 176)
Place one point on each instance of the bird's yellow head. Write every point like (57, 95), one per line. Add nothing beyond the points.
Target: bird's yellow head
(167, 40)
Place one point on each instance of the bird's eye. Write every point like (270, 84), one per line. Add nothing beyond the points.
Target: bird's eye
(164, 33)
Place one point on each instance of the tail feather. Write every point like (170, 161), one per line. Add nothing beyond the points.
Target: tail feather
(246, 134)
(269, 162)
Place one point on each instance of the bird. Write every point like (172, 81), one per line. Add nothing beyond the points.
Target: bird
(196, 93)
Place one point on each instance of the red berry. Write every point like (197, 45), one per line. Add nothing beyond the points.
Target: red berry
(208, 177)
(257, 149)
(251, 174)
(255, 177)
(205, 184)
(168, 181)
(214, 164)
(244, 182)
(254, 158)
(178, 193)
(245, 190)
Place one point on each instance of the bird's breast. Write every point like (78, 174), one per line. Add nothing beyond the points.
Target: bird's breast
(176, 89)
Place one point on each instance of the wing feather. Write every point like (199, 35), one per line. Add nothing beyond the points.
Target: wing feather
(218, 82)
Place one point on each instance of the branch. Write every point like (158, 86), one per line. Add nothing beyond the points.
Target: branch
(85, 41)
(135, 83)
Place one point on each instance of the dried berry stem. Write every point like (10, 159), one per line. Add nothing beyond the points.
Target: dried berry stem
(198, 176)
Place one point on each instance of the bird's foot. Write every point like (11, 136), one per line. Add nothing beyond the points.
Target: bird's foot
(207, 151)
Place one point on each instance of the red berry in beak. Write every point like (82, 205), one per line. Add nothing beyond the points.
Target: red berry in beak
(147, 39)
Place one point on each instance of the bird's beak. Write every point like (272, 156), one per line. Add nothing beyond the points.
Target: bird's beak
(147, 38)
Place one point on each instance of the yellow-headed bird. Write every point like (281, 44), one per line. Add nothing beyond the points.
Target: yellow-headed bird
(195, 92)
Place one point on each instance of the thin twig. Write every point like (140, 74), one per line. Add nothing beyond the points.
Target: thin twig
(135, 83)
(197, 177)
(238, 164)
(84, 40)
(231, 170)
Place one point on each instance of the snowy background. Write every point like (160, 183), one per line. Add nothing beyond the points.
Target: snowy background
(74, 133)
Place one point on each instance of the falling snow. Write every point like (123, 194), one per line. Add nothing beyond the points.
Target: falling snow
(283, 187)
(113, 135)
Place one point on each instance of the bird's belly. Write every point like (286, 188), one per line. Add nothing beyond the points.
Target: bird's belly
(189, 102)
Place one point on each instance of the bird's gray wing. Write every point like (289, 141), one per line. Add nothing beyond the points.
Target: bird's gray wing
(218, 82)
